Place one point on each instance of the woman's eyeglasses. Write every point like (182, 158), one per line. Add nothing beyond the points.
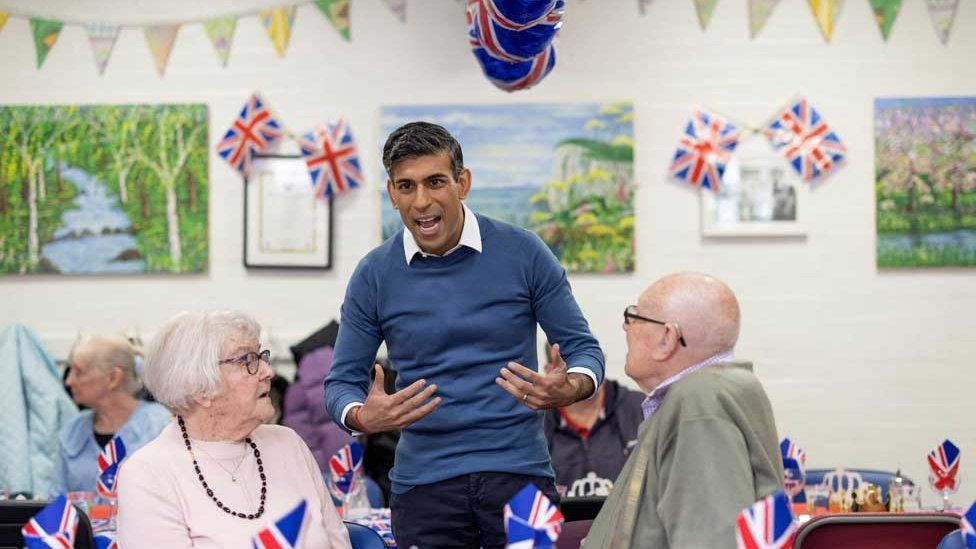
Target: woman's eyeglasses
(251, 361)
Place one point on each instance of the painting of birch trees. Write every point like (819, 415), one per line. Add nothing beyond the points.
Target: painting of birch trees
(103, 189)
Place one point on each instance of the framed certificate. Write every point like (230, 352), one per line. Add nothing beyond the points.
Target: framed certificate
(285, 225)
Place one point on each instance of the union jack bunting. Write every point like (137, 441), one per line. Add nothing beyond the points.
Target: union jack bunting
(789, 449)
(531, 520)
(705, 149)
(805, 139)
(252, 132)
(766, 524)
(283, 534)
(106, 540)
(108, 467)
(52, 526)
(330, 154)
(507, 39)
(943, 467)
(967, 526)
(344, 465)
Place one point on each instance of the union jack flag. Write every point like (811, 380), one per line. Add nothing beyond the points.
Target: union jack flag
(805, 139)
(108, 467)
(252, 132)
(330, 154)
(705, 149)
(531, 520)
(106, 540)
(944, 465)
(968, 527)
(344, 465)
(789, 449)
(766, 524)
(509, 38)
(283, 534)
(52, 526)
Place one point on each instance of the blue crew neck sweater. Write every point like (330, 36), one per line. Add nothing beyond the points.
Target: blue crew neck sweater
(457, 321)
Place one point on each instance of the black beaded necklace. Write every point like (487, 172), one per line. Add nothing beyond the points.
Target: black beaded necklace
(196, 467)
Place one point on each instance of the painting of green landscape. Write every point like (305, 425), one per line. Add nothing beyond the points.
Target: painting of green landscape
(108, 189)
(925, 181)
(563, 171)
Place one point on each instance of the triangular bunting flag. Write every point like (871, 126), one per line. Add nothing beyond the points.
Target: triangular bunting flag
(221, 33)
(885, 12)
(3, 18)
(642, 6)
(399, 9)
(277, 22)
(338, 13)
(45, 35)
(759, 11)
(160, 39)
(943, 14)
(102, 39)
(826, 13)
(705, 9)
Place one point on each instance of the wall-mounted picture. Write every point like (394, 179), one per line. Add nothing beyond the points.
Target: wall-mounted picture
(286, 225)
(110, 189)
(564, 171)
(925, 181)
(760, 195)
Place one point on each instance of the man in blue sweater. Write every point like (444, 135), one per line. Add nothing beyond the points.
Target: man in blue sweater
(456, 297)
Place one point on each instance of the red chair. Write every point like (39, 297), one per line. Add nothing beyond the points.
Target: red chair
(875, 530)
(573, 533)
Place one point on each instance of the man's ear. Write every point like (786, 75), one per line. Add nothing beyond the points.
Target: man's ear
(389, 192)
(666, 346)
(464, 181)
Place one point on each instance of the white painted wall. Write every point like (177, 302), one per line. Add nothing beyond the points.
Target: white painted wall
(864, 368)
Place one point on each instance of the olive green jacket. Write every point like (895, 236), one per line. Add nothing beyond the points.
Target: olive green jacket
(707, 453)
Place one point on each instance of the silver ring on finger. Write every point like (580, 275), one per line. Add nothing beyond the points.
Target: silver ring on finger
(525, 397)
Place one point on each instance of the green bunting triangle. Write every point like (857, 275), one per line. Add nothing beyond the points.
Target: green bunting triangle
(46, 33)
(338, 13)
(885, 12)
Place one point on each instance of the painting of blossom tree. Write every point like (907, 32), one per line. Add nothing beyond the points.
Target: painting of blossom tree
(925, 182)
(564, 171)
(103, 189)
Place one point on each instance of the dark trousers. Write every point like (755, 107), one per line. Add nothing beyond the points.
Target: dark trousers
(464, 511)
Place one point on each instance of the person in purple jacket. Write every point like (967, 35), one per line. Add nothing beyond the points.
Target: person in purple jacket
(457, 298)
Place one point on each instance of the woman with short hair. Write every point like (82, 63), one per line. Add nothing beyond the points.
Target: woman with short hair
(102, 376)
(217, 474)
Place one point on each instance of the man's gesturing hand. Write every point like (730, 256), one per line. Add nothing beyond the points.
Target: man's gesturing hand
(555, 388)
(383, 412)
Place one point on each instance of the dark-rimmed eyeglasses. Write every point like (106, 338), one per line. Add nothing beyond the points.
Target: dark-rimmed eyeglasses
(251, 361)
(630, 314)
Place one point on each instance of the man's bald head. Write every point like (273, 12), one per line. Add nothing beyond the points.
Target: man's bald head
(703, 306)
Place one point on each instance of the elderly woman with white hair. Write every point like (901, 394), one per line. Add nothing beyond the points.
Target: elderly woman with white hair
(217, 474)
(102, 376)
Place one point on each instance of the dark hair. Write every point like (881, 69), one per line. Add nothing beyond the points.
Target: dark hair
(417, 139)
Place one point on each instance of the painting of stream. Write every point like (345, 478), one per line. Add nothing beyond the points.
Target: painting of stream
(110, 189)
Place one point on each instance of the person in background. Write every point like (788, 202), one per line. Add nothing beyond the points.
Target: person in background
(217, 474)
(102, 377)
(591, 436)
(708, 446)
(457, 298)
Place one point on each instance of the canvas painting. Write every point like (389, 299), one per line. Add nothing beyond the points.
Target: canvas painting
(108, 189)
(564, 171)
(925, 181)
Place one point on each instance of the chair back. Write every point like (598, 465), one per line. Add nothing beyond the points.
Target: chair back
(15, 513)
(582, 508)
(953, 540)
(573, 533)
(363, 537)
(875, 530)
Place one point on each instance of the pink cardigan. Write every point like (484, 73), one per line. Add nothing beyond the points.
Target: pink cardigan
(163, 504)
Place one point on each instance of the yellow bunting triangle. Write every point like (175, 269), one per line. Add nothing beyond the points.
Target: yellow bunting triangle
(160, 39)
(3, 18)
(826, 13)
(277, 22)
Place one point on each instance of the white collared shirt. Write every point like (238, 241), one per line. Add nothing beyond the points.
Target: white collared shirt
(470, 237)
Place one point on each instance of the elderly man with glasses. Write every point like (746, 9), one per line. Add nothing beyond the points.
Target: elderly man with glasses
(708, 446)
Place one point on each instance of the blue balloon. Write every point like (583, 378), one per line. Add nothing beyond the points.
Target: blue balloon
(516, 76)
(517, 45)
(522, 12)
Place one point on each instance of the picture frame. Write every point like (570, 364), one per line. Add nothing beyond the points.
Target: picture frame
(285, 225)
(761, 196)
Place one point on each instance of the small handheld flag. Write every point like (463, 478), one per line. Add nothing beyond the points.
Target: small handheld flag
(704, 150)
(108, 467)
(766, 524)
(805, 139)
(944, 466)
(332, 160)
(251, 133)
(345, 464)
(52, 526)
(967, 526)
(531, 520)
(283, 534)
